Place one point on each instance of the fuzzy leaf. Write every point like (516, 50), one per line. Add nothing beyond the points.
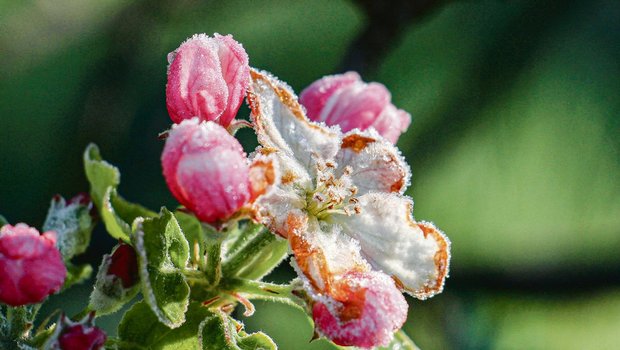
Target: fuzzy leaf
(3, 221)
(221, 332)
(104, 178)
(141, 329)
(73, 225)
(162, 252)
(118, 214)
(100, 174)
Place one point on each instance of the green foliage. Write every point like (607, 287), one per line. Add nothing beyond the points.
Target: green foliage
(3, 221)
(100, 174)
(255, 253)
(141, 329)
(163, 253)
(73, 225)
(221, 332)
(117, 214)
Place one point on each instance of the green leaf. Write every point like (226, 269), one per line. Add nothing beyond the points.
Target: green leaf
(192, 229)
(77, 274)
(163, 252)
(221, 332)
(73, 225)
(100, 174)
(141, 329)
(3, 221)
(118, 214)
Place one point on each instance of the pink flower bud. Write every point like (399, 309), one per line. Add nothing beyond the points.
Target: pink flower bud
(363, 309)
(347, 101)
(31, 267)
(207, 78)
(80, 336)
(206, 169)
(124, 265)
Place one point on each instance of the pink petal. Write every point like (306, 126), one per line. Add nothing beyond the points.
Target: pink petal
(365, 311)
(315, 96)
(30, 265)
(236, 72)
(196, 86)
(206, 169)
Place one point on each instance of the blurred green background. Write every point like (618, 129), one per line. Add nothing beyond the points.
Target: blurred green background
(515, 144)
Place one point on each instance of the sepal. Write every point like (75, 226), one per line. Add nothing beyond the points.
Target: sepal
(116, 282)
(73, 223)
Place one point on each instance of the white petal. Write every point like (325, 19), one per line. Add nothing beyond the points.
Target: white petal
(416, 255)
(322, 252)
(273, 208)
(376, 164)
(281, 124)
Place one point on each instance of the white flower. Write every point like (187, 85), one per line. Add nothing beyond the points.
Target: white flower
(340, 199)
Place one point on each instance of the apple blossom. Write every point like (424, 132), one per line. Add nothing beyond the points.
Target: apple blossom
(30, 265)
(208, 172)
(347, 101)
(207, 78)
(340, 200)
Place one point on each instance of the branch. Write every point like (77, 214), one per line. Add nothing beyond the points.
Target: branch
(386, 22)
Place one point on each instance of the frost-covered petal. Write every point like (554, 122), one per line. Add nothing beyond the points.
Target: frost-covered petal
(206, 169)
(365, 310)
(392, 122)
(345, 100)
(273, 208)
(263, 175)
(315, 96)
(321, 251)
(375, 164)
(356, 106)
(415, 254)
(236, 72)
(196, 86)
(31, 267)
(280, 124)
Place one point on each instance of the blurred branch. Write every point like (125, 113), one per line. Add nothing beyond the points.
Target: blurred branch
(496, 70)
(386, 22)
(559, 279)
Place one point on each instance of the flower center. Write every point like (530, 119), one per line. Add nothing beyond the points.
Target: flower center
(332, 195)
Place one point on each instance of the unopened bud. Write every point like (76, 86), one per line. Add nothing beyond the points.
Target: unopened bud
(207, 78)
(31, 266)
(347, 101)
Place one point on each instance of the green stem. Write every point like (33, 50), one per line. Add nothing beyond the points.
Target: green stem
(282, 293)
(257, 257)
(213, 266)
(20, 320)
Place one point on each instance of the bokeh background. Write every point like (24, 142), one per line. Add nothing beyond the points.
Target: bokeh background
(515, 143)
